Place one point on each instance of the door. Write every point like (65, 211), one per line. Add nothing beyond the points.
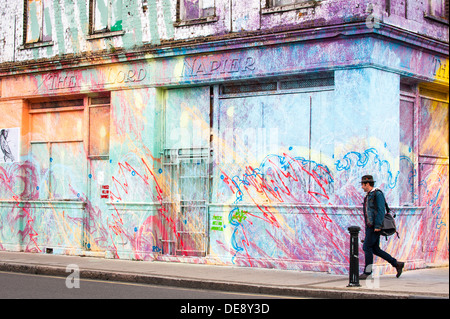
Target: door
(186, 165)
(433, 178)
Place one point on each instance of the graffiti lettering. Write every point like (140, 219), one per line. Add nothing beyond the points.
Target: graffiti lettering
(240, 215)
(156, 249)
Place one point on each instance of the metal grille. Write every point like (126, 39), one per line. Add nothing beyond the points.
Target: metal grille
(306, 83)
(246, 88)
(187, 207)
(324, 80)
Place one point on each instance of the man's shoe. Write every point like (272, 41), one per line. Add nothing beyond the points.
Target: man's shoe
(399, 268)
(363, 276)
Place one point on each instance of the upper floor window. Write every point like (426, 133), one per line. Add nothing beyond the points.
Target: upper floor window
(274, 6)
(105, 16)
(438, 9)
(37, 24)
(279, 3)
(196, 9)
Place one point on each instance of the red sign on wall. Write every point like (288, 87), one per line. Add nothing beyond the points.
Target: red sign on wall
(105, 191)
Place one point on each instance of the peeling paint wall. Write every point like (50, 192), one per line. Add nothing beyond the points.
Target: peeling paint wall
(240, 151)
(67, 30)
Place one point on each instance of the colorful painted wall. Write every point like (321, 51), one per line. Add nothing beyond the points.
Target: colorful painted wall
(268, 195)
(234, 153)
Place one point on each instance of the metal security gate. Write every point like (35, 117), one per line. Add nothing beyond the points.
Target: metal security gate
(187, 206)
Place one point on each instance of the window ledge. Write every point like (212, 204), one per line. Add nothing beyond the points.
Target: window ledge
(277, 9)
(104, 35)
(36, 45)
(434, 18)
(183, 23)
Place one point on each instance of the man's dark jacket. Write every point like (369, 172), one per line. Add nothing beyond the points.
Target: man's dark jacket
(374, 208)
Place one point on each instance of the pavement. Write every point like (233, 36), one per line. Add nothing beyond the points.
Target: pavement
(420, 283)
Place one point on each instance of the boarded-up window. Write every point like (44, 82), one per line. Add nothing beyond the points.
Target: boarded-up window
(61, 143)
(57, 126)
(57, 151)
(99, 130)
(61, 169)
(38, 22)
(253, 129)
(196, 9)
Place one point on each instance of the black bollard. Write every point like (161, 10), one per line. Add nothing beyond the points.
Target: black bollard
(354, 257)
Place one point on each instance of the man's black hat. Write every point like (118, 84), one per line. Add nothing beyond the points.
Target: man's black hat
(367, 179)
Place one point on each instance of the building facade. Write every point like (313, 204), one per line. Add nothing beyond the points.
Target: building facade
(222, 131)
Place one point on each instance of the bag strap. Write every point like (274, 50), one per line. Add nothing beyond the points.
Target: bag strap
(388, 210)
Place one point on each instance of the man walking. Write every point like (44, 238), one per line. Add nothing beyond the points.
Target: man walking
(374, 210)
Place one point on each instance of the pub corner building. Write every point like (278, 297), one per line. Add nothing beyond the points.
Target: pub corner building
(223, 132)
